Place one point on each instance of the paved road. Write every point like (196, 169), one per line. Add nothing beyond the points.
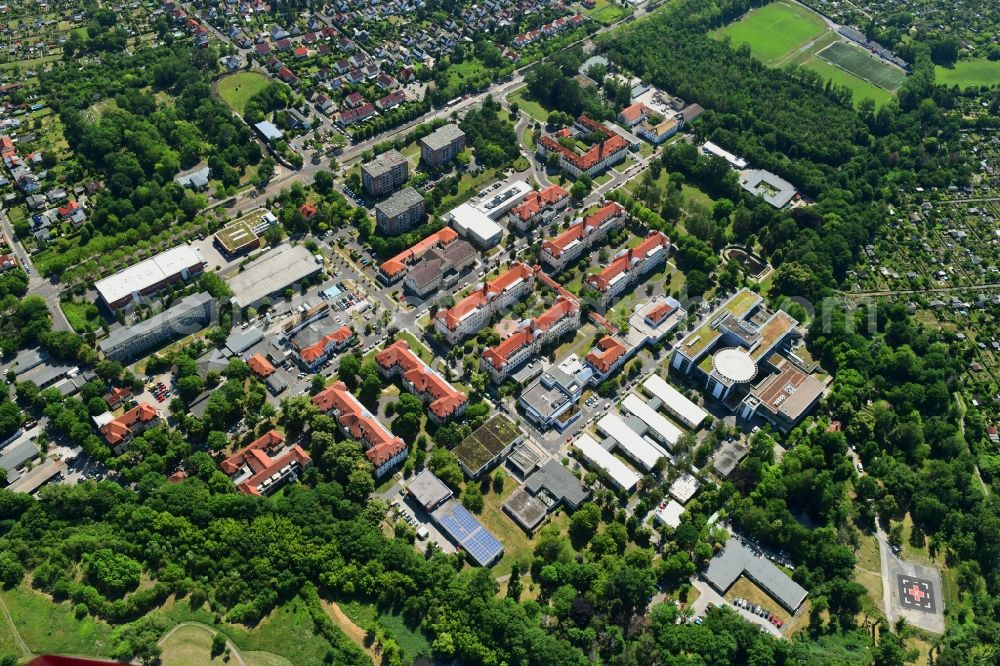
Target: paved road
(37, 285)
(884, 554)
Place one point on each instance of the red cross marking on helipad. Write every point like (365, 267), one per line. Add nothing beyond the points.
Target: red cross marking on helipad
(916, 593)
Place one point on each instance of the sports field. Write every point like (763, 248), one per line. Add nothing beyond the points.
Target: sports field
(970, 73)
(774, 31)
(863, 65)
(860, 88)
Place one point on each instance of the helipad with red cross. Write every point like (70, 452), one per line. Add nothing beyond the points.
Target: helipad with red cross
(916, 593)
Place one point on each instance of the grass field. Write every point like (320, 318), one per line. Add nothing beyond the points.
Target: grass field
(863, 65)
(531, 107)
(190, 645)
(50, 627)
(411, 639)
(236, 89)
(970, 73)
(605, 12)
(859, 87)
(775, 30)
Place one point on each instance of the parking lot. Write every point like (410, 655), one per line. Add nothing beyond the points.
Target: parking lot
(402, 506)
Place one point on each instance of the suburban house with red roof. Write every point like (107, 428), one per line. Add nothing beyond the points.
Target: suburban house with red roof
(505, 358)
(262, 467)
(120, 432)
(538, 208)
(383, 449)
(443, 400)
(582, 235)
(473, 312)
(316, 354)
(610, 148)
(633, 114)
(117, 396)
(630, 265)
(260, 366)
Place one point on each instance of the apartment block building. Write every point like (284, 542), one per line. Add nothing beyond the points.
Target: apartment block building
(312, 357)
(120, 432)
(538, 208)
(189, 315)
(505, 358)
(385, 173)
(610, 148)
(473, 312)
(443, 400)
(400, 212)
(567, 247)
(383, 449)
(442, 145)
(629, 266)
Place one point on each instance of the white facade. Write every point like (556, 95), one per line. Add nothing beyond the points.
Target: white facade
(675, 402)
(635, 446)
(619, 473)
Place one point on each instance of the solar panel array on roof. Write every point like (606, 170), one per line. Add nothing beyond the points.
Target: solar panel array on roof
(463, 529)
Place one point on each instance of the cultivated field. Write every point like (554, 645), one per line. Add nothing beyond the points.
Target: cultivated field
(774, 31)
(970, 73)
(863, 65)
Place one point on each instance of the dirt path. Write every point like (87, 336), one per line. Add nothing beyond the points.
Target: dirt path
(13, 627)
(233, 650)
(347, 625)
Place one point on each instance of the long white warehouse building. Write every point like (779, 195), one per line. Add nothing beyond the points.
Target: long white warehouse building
(675, 402)
(658, 424)
(638, 448)
(619, 473)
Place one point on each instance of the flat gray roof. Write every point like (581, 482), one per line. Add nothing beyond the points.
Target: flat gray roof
(384, 163)
(182, 308)
(428, 490)
(527, 510)
(17, 454)
(558, 482)
(728, 457)
(241, 340)
(442, 136)
(271, 273)
(783, 190)
(542, 400)
(400, 202)
(269, 130)
(736, 560)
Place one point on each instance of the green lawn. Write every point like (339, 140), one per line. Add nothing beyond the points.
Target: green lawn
(970, 73)
(236, 89)
(50, 627)
(82, 317)
(416, 346)
(467, 69)
(775, 30)
(468, 186)
(605, 12)
(411, 639)
(531, 107)
(517, 545)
